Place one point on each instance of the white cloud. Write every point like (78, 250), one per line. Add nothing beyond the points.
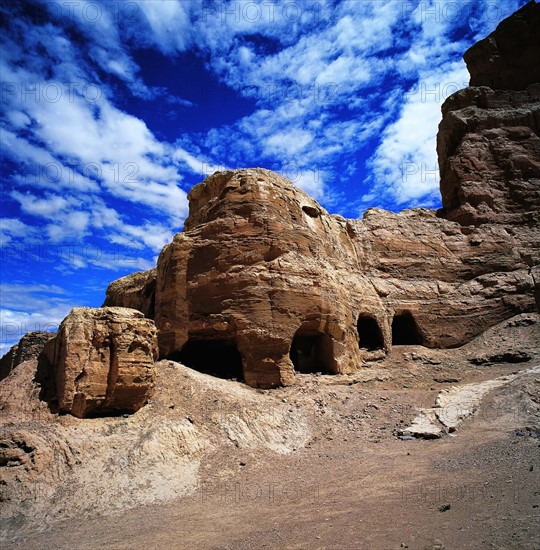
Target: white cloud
(47, 207)
(103, 144)
(169, 23)
(195, 165)
(12, 229)
(288, 142)
(44, 307)
(405, 163)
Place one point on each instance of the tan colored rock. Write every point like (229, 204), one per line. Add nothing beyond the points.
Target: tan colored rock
(489, 139)
(135, 291)
(103, 361)
(263, 282)
(268, 278)
(253, 267)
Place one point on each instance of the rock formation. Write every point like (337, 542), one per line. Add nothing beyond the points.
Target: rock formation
(29, 346)
(489, 152)
(102, 361)
(508, 58)
(263, 282)
(135, 291)
(489, 138)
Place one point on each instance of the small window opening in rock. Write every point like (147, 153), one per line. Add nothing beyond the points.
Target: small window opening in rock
(312, 353)
(219, 358)
(369, 334)
(311, 211)
(405, 330)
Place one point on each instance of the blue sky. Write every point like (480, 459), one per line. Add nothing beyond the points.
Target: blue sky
(112, 110)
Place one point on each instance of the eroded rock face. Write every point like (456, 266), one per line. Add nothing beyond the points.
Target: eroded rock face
(136, 291)
(263, 267)
(103, 361)
(255, 264)
(508, 58)
(29, 346)
(263, 282)
(489, 139)
(489, 156)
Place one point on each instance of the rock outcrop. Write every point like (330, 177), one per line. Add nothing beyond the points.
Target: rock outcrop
(265, 272)
(264, 282)
(29, 347)
(489, 151)
(102, 361)
(508, 58)
(136, 291)
(489, 139)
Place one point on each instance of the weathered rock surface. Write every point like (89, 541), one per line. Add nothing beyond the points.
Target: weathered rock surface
(489, 156)
(29, 347)
(103, 361)
(456, 404)
(263, 268)
(135, 291)
(508, 58)
(489, 139)
(263, 282)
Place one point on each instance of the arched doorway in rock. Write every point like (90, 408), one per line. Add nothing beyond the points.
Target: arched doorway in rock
(219, 358)
(370, 336)
(312, 351)
(405, 331)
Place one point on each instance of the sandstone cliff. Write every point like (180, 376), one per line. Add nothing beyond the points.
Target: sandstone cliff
(489, 139)
(135, 291)
(263, 282)
(508, 59)
(263, 269)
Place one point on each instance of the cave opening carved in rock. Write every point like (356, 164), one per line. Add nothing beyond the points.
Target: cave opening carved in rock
(219, 358)
(405, 331)
(312, 352)
(369, 333)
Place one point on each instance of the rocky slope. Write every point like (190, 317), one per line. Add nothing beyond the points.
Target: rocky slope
(198, 427)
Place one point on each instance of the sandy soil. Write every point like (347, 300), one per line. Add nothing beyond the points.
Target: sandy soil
(212, 464)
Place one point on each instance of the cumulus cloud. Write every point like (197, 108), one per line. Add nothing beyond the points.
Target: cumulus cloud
(26, 308)
(405, 166)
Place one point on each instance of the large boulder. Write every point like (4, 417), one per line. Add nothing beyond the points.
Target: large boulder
(102, 361)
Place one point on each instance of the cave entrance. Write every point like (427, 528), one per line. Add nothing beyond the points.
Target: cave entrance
(405, 330)
(312, 352)
(219, 358)
(369, 334)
